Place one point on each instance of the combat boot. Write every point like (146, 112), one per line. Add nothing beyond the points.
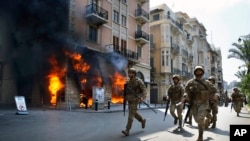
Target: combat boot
(143, 123)
(125, 132)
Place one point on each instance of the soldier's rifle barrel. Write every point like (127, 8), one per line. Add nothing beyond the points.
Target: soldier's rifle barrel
(141, 100)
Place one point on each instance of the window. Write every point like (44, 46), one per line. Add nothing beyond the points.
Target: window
(116, 16)
(124, 1)
(139, 51)
(162, 58)
(116, 43)
(92, 34)
(156, 17)
(124, 20)
(123, 45)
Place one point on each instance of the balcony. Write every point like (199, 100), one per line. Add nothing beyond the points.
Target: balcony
(130, 55)
(143, 1)
(190, 58)
(141, 16)
(96, 15)
(141, 37)
(175, 49)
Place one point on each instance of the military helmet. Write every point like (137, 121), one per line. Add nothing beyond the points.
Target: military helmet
(176, 76)
(211, 78)
(132, 70)
(198, 67)
(235, 89)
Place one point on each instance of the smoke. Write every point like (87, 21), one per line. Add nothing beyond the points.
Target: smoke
(118, 61)
(38, 29)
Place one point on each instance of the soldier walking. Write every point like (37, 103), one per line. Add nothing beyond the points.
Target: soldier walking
(198, 91)
(237, 100)
(135, 84)
(175, 95)
(213, 104)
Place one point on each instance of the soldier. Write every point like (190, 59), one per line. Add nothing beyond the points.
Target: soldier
(213, 105)
(137, 85)
(237, 100)
(175, 95)
(198, 91)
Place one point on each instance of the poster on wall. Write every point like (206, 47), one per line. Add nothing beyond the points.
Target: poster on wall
(21, 105)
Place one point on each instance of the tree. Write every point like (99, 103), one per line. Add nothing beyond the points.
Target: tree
(241, 52)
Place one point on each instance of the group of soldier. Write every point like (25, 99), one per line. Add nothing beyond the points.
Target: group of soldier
(199, 94)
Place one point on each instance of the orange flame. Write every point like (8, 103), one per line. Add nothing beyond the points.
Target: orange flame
(55, 83)
(117, 87)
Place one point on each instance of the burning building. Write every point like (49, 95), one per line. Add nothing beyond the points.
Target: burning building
(56, 53)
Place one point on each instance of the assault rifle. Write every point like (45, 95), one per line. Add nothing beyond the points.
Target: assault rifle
(166, 110)
(141, 100)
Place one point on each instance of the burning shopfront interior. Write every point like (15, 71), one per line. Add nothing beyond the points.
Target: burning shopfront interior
(40, 60)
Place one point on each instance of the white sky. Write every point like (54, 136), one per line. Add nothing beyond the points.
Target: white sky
(225, 21)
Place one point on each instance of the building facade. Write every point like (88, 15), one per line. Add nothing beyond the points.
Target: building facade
(178, 44)
(111, 36)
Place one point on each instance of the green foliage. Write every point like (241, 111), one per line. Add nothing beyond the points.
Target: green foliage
(245, 85)
(242, 53)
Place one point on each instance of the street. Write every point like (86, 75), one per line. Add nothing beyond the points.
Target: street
(78, 125)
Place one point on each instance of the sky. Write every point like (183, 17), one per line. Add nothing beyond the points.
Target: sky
(224, 20)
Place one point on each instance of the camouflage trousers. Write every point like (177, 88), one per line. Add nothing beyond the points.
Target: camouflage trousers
(179, 110)
(132, 107)
(199, 112)
(213, 108)
(237, 106)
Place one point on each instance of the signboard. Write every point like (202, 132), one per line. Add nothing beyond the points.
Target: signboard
(21, 105)
(98, 94)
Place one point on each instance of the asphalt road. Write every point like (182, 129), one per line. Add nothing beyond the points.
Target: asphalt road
(80, 125)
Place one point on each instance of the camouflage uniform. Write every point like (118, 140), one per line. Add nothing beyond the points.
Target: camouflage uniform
(213, 105)
(198, 91)
(237, 100)
(175, 94)
(136, 85)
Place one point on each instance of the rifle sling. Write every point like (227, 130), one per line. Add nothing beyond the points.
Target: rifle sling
(201, 84)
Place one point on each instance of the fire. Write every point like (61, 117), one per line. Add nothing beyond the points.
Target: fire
(55, 84)
(118, 87)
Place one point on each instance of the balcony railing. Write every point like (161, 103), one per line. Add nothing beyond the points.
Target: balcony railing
(127, 53)
(96, 14)
(175, 48)
(141, 15)
(141, 37)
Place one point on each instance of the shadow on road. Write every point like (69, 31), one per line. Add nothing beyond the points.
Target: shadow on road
(182, 132)
(218, 131)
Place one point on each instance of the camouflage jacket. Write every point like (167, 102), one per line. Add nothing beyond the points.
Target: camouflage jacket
(176, 92)
(136, 85)
(236, 97)
(199, 90)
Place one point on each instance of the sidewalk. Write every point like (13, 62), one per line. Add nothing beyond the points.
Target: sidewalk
(113, 108)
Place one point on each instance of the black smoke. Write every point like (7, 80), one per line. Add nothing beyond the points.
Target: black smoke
(37, 29)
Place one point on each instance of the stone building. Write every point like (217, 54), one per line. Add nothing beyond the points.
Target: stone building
(178, 44)
(99, 41)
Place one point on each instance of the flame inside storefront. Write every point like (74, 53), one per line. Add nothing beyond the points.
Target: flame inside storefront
(89, 74)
